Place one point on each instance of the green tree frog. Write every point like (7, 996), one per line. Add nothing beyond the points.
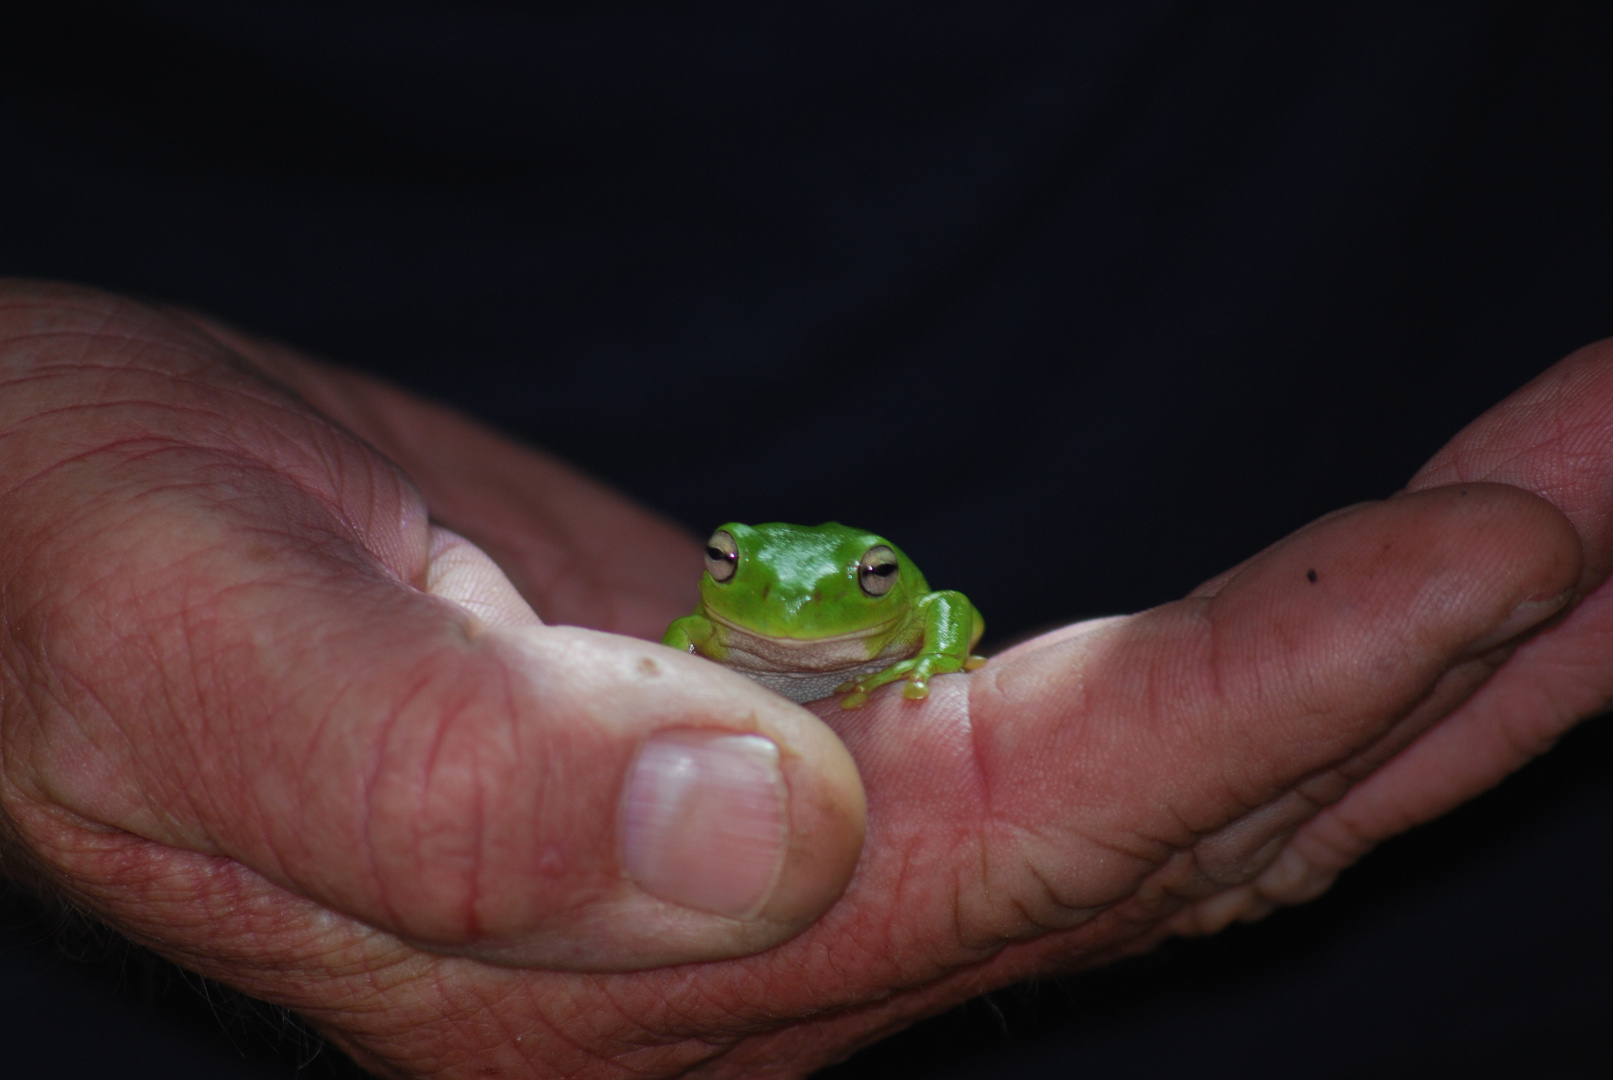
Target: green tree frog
(809, 610)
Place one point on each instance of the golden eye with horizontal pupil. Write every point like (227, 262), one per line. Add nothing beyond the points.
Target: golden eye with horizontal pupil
(722, 555)
(876, 570)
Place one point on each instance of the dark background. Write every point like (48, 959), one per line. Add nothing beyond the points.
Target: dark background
(1080, 303)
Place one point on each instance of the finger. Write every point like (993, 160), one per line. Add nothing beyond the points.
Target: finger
(1554, 437)
(204, 650)
(1184, 745)
(461, 573)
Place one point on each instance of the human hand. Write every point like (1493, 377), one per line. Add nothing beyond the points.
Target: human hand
(234, 638)
(249, 778)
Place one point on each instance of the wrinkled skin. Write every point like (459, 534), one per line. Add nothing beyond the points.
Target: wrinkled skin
(264, 715)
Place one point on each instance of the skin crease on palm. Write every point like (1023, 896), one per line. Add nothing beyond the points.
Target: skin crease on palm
(264, 713)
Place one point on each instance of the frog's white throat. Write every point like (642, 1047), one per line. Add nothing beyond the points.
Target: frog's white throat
(806, 669)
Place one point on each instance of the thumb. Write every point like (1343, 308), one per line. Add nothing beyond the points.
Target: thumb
(704, 815)
(204, 651)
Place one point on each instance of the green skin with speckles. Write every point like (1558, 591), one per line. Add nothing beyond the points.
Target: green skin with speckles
(795, 616)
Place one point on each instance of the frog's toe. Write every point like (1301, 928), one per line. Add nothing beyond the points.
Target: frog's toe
(974, 663)
(916, 690)
(848, 686)
(854, 700)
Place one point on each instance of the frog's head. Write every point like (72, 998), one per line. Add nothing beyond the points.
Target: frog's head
(806, 581)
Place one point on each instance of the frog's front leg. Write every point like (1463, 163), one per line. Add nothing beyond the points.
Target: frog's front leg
(952, 627)
(692, 634)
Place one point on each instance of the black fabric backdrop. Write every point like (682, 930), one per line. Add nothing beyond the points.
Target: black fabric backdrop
(1081, 303)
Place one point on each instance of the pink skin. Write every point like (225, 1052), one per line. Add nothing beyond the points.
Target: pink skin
(264, 713)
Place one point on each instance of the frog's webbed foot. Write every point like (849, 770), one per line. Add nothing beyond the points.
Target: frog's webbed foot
(688, 633)
(857, 690)
(916, 671)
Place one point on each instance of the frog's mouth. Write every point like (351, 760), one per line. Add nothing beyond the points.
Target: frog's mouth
(807, 642)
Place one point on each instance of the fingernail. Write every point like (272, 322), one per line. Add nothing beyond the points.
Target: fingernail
(1525, 615)
(703, 821)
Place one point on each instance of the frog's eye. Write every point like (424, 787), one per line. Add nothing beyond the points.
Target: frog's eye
(722, 555)
(876, 571)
